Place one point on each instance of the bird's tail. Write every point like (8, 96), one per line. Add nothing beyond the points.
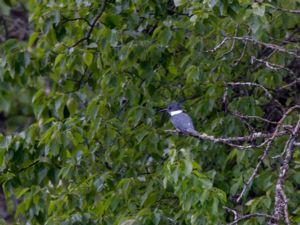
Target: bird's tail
(193, 132)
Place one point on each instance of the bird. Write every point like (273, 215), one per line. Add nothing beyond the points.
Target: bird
(181, 121)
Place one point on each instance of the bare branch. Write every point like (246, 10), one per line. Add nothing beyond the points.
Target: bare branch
(290, 84)
(268, 142)
(233, 43)
(249, 84)
(219, 45)
(268, 45)
(280, 205)
(253, 117)
(230, 141)
(224, 99)
(248, 216)
(294, 11)
(235, 213)
(285, 210)
(271, 66)
(241, 56)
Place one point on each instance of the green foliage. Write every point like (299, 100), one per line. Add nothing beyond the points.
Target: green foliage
(84, 143)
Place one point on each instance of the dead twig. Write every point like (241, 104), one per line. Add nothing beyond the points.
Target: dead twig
(248, 216)
(290, 84)
(271, 66)
(236, 62)
(267, 45)
(250, 84)
(233, 43)
(219, 45)
(234, 212)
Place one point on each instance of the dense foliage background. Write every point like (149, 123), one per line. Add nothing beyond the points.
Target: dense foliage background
(82, 139)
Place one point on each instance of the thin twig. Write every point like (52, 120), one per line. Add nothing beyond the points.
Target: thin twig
(241, 56)
(92, 26)
(219, 45)
(233, 42)
(271, 66)
(250, 84)
(234, 212)
(268, 45)
(66, 20)
(294, 11)
(290, 84)
(253, 117)
(248, 216)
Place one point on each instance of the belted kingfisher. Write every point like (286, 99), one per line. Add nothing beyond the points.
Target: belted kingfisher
(181, 121)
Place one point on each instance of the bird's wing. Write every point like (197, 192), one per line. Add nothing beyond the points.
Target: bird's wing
(183, 122)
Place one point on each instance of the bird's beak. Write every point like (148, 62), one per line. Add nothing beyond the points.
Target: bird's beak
(163, 110)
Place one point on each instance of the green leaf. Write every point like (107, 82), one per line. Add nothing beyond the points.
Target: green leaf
(59, 58)
(72, 105)
(22, 192)
(88, 58)
(33, 38)
(188, 167)
(165, 36)
(179, 2)
(10, 45)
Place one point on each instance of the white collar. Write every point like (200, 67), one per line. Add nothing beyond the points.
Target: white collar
(173, 113)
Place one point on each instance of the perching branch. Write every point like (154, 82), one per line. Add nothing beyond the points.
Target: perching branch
(230, 141)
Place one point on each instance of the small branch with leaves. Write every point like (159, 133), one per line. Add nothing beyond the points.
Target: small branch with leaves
(92, 25)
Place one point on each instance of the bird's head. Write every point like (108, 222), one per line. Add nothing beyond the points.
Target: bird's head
(173, 109)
